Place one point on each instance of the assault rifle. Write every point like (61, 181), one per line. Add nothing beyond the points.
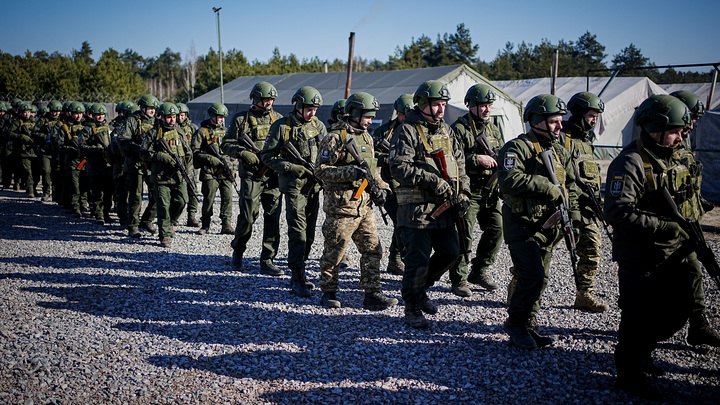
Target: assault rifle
(290, 149)
(484, 144)
(260, 174)
(375, 193)
(697, 239)
(562, 213)
(180, 166)
(595, 204)
(213, 148)
(458, 209)
(75, 145)
(383, 146)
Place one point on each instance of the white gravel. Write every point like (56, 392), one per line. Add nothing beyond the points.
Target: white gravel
(91, 316)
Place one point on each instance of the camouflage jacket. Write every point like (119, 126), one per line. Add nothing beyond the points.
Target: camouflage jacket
(577, 141)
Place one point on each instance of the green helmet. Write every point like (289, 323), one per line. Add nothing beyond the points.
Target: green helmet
(218, 109)
(98, 108)
(262, 90)
(543, 106)
(87, 106)
(33, 108)
(168, 109)
(76, 107)
(361, 104)
(338, 109)
(148, 100)
(430, 90)
(307, 96)
(404, 104)
(183, 108)
(128, 107)
(133, 108)
(583, 102)
(692, 101)
(479, 94)
(660, 113)
(15, 103)
(55, 105)
(66, 106)
(23, 106)
(4, 106)
(44, 109)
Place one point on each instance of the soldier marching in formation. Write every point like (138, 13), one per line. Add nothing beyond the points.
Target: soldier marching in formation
(436, 182)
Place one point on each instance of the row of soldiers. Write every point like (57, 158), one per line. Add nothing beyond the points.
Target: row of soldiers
(436, 182)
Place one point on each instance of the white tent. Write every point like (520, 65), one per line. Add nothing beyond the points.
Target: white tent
(385, 86)
(701, 89)
(621, 97)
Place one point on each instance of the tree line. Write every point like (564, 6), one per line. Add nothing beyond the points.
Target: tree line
(117, 76)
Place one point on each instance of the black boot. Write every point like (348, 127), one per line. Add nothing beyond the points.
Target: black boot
(701, 332)
(426, 305)
(377, 301)
(519, 334)
(329, 300)
(297, 283)
(414, 316)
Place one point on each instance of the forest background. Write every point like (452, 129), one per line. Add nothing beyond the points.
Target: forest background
(116, 76)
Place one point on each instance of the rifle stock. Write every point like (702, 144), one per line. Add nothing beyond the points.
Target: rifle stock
(375, 192)
(290, 149)
(458, 212)
(260, 174)
(225, 166)
(180, 166)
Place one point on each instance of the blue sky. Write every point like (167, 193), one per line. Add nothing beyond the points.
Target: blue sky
(321, 28)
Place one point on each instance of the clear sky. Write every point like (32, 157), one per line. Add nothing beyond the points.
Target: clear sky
(667, 32)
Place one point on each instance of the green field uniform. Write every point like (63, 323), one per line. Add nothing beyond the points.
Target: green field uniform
(385, 132)
(254, 190)
(130, 141)
(212, 175)
(94, 145)
(527, 204)
(44, 135)
(301, 210)
(169, 187)
(75, 184)
(485, 200)
(188, 128)
(21, 134)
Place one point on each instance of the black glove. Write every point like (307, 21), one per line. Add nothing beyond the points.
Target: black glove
(379, 196)
(360, 173)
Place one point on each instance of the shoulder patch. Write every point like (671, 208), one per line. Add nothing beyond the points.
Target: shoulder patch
(509, 161)
(325, 155)
(617, 184)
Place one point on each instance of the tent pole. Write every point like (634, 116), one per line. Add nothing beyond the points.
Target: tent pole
(348, 80)
(553, 88)
(712, 88)
(615, 73)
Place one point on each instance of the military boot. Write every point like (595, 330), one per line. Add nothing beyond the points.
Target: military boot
(519, 334)
(586, 300)
(481, 278)
(134, 233)
(227, 229)
(461, 289)
(236, 263)
(397, 268)
(701, 332)
(192, 222)
(414, 316)
(148, 226)
(329, 300)
(426, 305)
(269, 268)
(540, 340)
(297, 283)
(631, 379)
(377, 301)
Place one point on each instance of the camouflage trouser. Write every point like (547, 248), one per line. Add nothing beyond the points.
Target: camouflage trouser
(696, 277)
(338, 231)
(100, 194)
(588, 249)
(26, 174)
(44, 171)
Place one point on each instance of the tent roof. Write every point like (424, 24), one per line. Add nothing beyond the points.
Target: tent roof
(701, 89)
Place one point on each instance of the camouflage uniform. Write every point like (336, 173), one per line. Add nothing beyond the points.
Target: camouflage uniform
(576, 139)
(255, 191)
(212, 175)
(347, 219)
(130, 141)
(484, 202)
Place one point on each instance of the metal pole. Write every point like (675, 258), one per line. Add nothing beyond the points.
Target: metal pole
(554, 72)
(712, 88)
(348, 80)
(222, 91)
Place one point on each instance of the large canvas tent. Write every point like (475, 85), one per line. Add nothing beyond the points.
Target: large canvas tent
(621, 97)
(701, 89)
(385, 86)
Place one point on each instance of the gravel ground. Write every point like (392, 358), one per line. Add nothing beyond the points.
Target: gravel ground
(90, 316)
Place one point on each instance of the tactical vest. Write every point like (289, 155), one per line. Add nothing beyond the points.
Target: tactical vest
(144, 125)
(215, 135)
(303, 137)
(588, 169)
(258, 131)
(104, 131)
(174, 140)
(474, 172)
(535, 209)
(441, 140)
(365, 147)
(681, 178)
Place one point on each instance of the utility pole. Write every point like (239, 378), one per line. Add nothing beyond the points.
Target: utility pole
(222, 92)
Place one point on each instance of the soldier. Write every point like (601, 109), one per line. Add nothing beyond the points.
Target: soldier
(258, 186)
(585, 108)
(382, 136)
(136, 173)
(422, 189)
(301, 130)
(348, 216)
(94, 145)
(21, 134)
(530, 199)
(120, 191)
(213, 175)
(73, 163)
(187, 126)
(337, 111)
(162, 148)
(700, 331)
(44, 134)
(480, 140)
(655, 270)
